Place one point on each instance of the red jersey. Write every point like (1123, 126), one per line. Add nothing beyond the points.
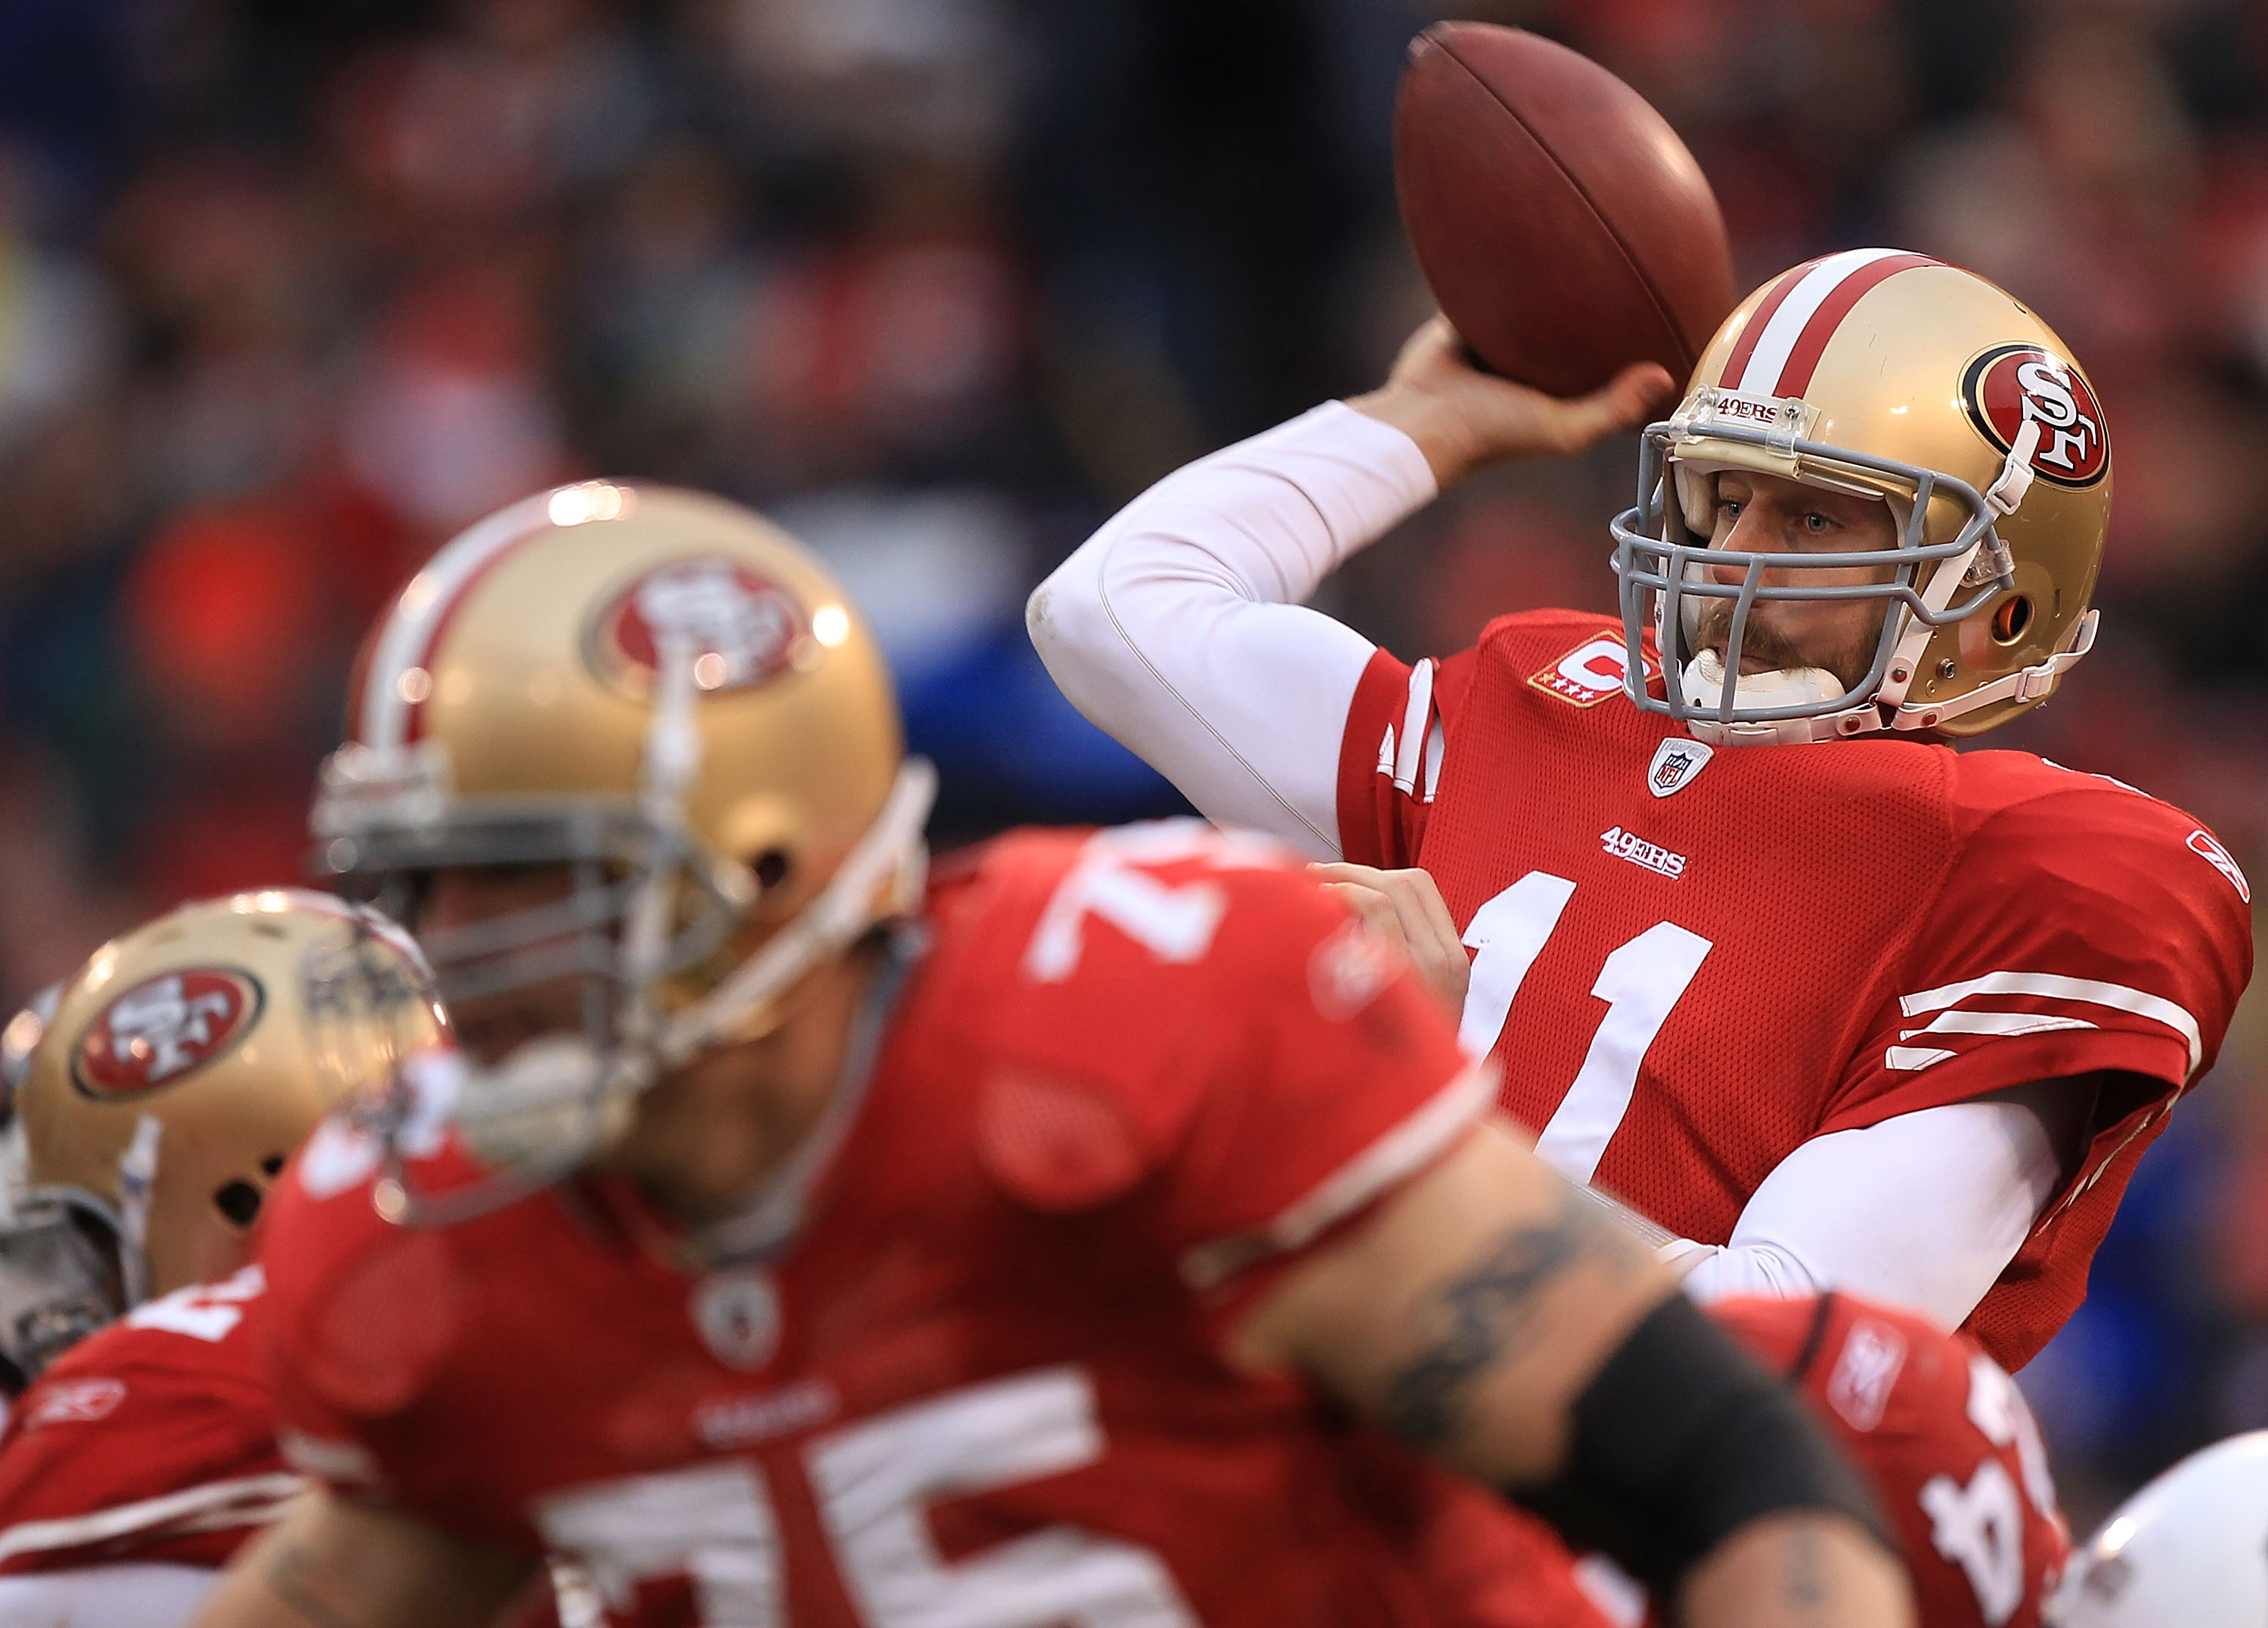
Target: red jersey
(1488, 1564)
(1946, 1439)
(1132, 1075)
(1688, 962)
(1939, 1429)
(152, 1439)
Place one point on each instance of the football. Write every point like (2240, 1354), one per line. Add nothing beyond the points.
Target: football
(1564, 229)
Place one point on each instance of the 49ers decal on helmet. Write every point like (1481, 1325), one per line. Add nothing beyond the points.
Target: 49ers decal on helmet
(2010, 383)
(163, 1029)
(742, 629)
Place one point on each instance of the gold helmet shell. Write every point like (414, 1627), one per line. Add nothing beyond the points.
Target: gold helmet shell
(1897, 376)
(514, 678)
(663, 691)
(182, 1064)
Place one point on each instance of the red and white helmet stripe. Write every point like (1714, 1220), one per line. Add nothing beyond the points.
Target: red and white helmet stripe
(389, 711)
(1779, 348)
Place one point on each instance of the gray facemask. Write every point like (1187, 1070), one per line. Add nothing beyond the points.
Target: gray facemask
(1666, 572)
(61, 1277)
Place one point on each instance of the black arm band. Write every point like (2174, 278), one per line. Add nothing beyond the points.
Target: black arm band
(1680, 1439)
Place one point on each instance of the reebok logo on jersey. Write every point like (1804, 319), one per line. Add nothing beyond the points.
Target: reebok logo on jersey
(2203, 845)
(76, 1402)
(1860, 1388)
(1675, 764)
(1625, 845)
(1588, 673)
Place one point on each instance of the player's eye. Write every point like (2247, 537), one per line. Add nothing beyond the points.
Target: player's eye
(1817, 525)
(1730, 508)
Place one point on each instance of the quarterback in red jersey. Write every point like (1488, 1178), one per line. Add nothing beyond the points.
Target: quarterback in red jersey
(160, 1091)
(802, 1242)
(1832, 1004)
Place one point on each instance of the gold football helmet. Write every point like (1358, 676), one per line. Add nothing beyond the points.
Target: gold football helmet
(1891, 376)
(164, 1086)
(664, 692)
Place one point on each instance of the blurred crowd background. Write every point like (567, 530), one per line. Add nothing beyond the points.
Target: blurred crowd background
(291, 290)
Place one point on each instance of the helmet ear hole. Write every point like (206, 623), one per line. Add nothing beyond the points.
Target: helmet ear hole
(238, 1202)
(2011, 619)
(771, 868)
(272, 1166)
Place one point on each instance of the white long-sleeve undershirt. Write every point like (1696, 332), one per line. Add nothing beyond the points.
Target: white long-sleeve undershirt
(1923, 1211)
(1178, 627)
(133, 1594)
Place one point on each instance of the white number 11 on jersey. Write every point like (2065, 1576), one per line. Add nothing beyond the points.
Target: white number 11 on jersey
(1641, 982)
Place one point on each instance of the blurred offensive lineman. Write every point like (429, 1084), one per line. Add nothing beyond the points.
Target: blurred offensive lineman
(1879, 1016)
(799, 1248)
(159, 1097)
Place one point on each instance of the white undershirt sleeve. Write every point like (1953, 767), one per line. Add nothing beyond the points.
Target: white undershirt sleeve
(1924, 1211)
(136, 1594)
(1178, 627)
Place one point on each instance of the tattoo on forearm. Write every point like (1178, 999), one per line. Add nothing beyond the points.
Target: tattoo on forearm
(1805, 1587)
(290, 1578)
(1488, 1314)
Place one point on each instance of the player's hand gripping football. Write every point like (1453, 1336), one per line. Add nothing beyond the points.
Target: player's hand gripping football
(1405, 908)
(1463, 419)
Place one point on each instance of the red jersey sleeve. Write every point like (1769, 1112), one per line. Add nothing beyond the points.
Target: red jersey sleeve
(2086, 928)
(1185, 1013)
(2081, 928)
(1390, 759)
(366, 1314)
(150, 1440)
(1335, 1081)
(1404, 720)
(1945, 1436)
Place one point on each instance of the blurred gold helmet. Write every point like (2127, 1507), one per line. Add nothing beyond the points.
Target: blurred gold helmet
(663, 691)
(1892, 376)
(164, 1086)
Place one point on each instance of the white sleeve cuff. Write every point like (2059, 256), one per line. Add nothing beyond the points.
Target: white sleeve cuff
(1924, 1211)
(1720, 1271)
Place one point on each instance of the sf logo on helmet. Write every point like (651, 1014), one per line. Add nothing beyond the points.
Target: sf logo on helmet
(740, 629)
(161, 1029)
(2011, 384)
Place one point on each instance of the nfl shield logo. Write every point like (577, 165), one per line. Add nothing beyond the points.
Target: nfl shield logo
(738, 1313)
(1675, 763)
